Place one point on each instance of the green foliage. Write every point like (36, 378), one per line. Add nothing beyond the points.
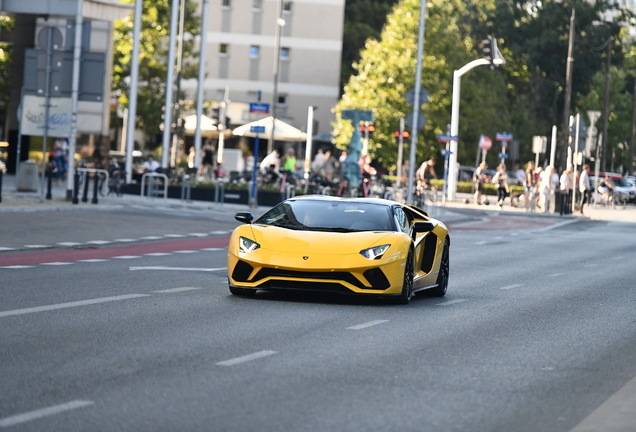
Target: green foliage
(153, 57)
(6, 59)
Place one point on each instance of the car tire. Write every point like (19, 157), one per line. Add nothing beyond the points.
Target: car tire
(407, 284)
(442, 276)
(246, 292)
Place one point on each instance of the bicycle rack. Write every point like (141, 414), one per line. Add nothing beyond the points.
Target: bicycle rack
(219, 192)
(186, 186)
(153, 185)
(96, 172)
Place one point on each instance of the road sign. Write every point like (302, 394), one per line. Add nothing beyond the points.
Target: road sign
(504, 155)
(259, 108)
(445, 152)
(539, 144)
(421, 120)
(485, 143)
(502, 136)
(447, 138)
(257, 129)
(410, 96)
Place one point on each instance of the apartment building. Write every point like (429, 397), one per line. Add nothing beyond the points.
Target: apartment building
(240, 50)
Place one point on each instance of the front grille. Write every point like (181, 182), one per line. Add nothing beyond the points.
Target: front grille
(375, 276)
(242, 271)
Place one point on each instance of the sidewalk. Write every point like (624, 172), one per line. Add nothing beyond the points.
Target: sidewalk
(455, 211)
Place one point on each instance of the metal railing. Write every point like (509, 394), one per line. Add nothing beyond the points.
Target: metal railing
(96, 173)
(153, 185)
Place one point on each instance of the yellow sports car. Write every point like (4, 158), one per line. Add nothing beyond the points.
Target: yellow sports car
(351, 246)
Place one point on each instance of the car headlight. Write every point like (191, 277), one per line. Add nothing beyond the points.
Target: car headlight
(246, 245)
(374, 252)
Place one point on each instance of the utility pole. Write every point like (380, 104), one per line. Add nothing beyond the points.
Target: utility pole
(630, 163)
(606, 103)
(568, 88)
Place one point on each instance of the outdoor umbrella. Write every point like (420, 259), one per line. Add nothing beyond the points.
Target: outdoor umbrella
(282, 130)
(208, 126)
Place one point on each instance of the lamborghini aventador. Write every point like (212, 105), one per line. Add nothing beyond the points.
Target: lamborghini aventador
(351, 246)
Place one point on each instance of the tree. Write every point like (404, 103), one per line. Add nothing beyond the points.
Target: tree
(6, 59)
(154, 43)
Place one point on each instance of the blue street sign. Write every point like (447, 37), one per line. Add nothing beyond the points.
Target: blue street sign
(502, 136)
(260, 108)
(504, 155)
(447, 138)
(257, 129)
(445, 152)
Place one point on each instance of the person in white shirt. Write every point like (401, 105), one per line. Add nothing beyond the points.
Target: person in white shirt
(271, 159)
(545, 189)
(151, 164)
(565, 185)
(584, 186)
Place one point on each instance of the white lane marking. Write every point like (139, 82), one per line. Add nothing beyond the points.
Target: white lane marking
(17, 267)
(99, 242)
(36, 246)
(511, 286)
(448, 303)
(481, 242)
(498, 238)
(174, 235)
(186, 251)
(368, 324)
(198, 234)
(246, 358)
(213, 249)
(44, 412)
(514, 234)
(556, 274)
(557, 225)
(125, 240)
(178, 268)
(158, 254)
(70, 305)
(92, 260)
(59, 263)
(219, 232)
(176, 290)
(151, 238)
(619, 258)
(69, 244)
(127, 257)
(6, 249)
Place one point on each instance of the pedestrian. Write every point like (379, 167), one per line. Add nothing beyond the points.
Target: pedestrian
(271, 159)
(329, 165)
(207, 161)
(479, 178)
(520, 175)
(342, 163)
(319, 161)
(289, 161)
(151, 165)
(565, 185)
(501, 180)
(191, 157)
(584, 186)
(546, 189)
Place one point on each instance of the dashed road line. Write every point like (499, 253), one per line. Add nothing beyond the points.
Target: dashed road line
(511, 287)
(177, 268)
(246, 358)
(174, 235)
(158, 254)
(451, 302)
(17, 267)
(213, 249)
(219, 232)
(176, 290)
(367, 324)
(99, 242)
(619, 258)
(556, 274)
(125, 240)
(483, 242)
(57, 263)
(69, 244)
(186, 251)
(198, 234)
(44, 412)
(127, 257)
(69, 305)
(92, 260)
(6, 249)
(150, 238)
(36, 246)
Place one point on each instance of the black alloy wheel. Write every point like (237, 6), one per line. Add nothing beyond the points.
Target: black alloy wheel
(407, 285)
(442, 276)
(242, 291)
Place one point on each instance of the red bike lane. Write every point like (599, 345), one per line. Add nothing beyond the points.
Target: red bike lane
(70, 255)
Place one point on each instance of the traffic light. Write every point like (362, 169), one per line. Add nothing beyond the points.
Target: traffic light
(371, 130)
(405, 136)
(216, 114)
(488, 47)
(364, 130)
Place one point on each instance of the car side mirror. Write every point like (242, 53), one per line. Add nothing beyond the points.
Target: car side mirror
(421, 227)
(245, 217)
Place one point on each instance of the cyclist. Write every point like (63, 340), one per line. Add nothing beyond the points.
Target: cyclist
(607, 189)
(425, 173)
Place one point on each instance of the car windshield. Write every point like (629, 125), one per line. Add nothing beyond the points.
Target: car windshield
(622, 183)
(331, 216)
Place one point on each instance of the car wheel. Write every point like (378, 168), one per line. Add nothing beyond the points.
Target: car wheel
(407, 284)
(442, 276)
(242, 291)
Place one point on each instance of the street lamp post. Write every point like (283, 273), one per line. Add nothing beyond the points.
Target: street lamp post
(280, 22)
(568, 87)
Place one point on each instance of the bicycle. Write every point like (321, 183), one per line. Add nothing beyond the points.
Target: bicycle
(616, 200)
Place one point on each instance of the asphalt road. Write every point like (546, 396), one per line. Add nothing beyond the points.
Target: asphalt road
(537, 331)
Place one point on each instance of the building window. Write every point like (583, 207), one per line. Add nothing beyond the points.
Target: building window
(284, 53)
(255, 51)
(224, 49)
(257, 4)
(287, 6)
(226, 3)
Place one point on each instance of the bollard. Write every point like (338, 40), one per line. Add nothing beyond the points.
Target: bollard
(1, 174)
(85, 188)
(76, 187)
(49, 181)
(95, 187)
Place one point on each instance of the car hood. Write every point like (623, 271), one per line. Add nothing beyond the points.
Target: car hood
(318, 242)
